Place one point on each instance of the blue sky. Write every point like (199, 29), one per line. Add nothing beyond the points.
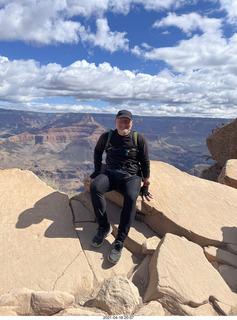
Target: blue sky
(153, 57)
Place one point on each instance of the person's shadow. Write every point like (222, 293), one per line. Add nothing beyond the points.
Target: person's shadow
(229, 235)
(54, 207)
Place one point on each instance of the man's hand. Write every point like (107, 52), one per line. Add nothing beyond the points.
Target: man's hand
(146, 195)
(94, 175)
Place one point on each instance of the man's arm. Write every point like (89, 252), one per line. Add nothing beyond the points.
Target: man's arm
(98, 152)
(145, 167)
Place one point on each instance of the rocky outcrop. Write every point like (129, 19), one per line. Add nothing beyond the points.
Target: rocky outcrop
(62, 134)
(175, 260)
(228, 174)
(221, 143)
(223, 149)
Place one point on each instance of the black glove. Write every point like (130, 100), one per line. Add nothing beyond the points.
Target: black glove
(144, 191)
(94, 174)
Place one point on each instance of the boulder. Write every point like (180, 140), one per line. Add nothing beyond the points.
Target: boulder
(117, 296)
(47, 303)
(221, 143)
(25, 302)
(39, 245)
(149, 245)
(228, 174)
(16, 301)
(180, 275)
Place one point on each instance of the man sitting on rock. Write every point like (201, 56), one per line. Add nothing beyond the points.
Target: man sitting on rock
(127, 164)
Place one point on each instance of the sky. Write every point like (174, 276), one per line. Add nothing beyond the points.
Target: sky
(152, 57)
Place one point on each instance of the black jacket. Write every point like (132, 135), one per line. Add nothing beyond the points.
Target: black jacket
(123, 153)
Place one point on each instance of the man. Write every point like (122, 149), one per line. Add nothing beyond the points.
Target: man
(127, 164)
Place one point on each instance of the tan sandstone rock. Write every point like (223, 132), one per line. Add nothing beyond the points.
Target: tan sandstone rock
(25, 302)
(180, 275)
(221, 256)
(228, 174)
(151, 309)
(117, 296)
(140, 277)
(180, 199)
(39, 245)
(47, 303)
(149, 245)
(16, 301)
(221, 143)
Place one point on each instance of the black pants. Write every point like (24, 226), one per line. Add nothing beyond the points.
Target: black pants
(130, 190)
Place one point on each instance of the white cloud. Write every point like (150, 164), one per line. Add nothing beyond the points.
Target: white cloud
(52, 21)
(47, 21)
(190, 22)
(106, 39)
(195, 53)
(37, 21)
(208, 93)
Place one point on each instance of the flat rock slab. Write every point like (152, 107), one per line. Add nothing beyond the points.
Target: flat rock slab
(39, 248)
(180, 275)
(180, 199)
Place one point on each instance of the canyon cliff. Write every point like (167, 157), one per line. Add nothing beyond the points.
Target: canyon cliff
(58, 148)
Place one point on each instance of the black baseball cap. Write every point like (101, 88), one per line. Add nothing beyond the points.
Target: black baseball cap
(124, 114)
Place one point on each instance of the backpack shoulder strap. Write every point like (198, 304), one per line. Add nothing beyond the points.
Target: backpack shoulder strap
(109, 137)
(135, 137)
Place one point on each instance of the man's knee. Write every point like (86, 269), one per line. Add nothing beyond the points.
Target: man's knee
(99, 185)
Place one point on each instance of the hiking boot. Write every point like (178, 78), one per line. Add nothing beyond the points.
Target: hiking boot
(102, 233)
(115, 253)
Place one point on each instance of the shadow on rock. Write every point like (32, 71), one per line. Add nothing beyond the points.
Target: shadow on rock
(53, 207)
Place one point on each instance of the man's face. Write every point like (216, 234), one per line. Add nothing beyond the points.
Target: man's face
(123, 126)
